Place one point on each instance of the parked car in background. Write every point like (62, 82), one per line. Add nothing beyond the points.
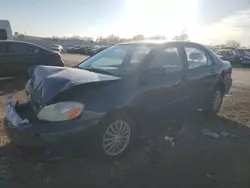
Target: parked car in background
(5, 30)
(244, 55)
(228, 55)
(57, 48)
(73, 48)
(16, 57)
(83, 50)
(95, 50)
(99, 101)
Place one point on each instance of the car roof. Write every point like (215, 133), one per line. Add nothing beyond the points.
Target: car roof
(144, 42)
(160, 42)
(15, 41)
(22, 42)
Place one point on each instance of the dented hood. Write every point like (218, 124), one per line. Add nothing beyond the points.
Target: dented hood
(48, 81)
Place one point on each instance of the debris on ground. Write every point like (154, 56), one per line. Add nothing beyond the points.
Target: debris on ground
(170, 139)
(226, 134)
(207, 132)
(208, 175)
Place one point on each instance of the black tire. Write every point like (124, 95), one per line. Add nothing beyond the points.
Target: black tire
(105, 126)
(214, 103)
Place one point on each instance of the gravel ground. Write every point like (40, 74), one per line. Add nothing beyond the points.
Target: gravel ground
(172, 153)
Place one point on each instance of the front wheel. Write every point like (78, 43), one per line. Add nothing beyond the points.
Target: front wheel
(114, 135)
(213, 105)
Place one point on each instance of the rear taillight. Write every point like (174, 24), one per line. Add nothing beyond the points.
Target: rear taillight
(58, 56)
(227, 72)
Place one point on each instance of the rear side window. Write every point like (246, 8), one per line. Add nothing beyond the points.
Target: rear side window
(3, 34)
(22, 48)
(196, 58)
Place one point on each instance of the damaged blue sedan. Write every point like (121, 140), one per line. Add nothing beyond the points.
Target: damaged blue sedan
(100, 99)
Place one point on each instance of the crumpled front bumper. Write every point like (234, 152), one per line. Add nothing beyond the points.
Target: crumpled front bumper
(36, 133)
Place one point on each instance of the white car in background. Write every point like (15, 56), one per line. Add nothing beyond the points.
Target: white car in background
(57, 47)
(5, 30)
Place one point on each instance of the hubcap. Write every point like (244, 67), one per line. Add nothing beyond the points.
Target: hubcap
(217, 100)
(116, 137)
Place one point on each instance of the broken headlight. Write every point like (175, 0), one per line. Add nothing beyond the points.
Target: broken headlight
(61, 111)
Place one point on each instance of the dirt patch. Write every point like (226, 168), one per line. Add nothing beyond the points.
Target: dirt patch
(190, 159)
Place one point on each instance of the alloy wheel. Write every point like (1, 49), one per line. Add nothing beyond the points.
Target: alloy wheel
(116, 138)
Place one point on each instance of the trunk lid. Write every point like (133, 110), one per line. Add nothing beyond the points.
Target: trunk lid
(48, 81)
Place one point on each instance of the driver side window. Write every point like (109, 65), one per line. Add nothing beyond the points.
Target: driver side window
(168, 59)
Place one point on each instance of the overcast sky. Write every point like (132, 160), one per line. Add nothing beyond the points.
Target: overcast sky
(207, 21)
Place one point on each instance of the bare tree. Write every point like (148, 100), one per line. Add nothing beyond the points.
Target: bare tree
(233, 43)
(16, 34)
(182, 37)
(158, 37)
(138, 37)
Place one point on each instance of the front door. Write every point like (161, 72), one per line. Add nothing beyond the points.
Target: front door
(163, 84)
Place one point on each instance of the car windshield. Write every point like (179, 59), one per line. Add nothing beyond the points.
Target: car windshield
(223, 53)
(117, 60)
(244, 52)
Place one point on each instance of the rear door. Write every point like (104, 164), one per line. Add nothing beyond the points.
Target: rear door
(22, 56)
(201, 73)
(4, 68)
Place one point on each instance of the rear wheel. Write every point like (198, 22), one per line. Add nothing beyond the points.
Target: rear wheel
(213, 105)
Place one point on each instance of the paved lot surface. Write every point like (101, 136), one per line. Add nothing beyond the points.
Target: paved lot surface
(241, 76)
(191, 160)
(72, 59)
